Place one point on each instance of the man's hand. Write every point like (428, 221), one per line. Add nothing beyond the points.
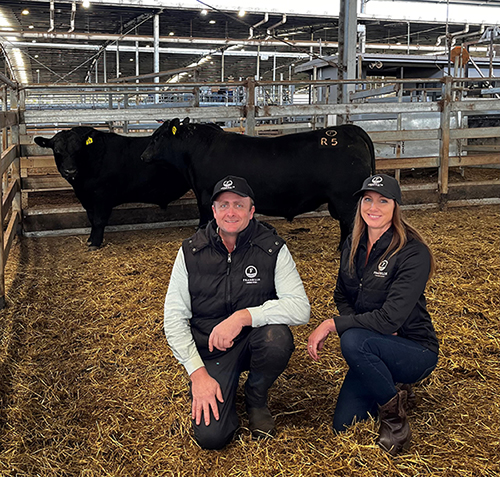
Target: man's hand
(223, 335)
(206, 392)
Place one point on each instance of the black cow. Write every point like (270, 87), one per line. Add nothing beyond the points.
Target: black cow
(289, 174)
(105, 170)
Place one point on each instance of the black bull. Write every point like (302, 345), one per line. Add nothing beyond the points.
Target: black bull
(290, 174)
(105, 170)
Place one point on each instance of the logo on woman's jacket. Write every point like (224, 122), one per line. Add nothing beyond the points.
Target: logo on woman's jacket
(381, 269)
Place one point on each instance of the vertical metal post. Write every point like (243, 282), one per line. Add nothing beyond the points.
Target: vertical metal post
(257, 74)
(280, 91)
(250, 109)
(156, 53)
(274, 79)
(444, 153)
(137, 70)
(347, 46)
(196, 99)
(137, 60)
(105, 71)
(117, 60)
(222, 67)
(350, 35)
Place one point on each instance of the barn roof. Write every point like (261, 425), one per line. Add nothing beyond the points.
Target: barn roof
(68, 44)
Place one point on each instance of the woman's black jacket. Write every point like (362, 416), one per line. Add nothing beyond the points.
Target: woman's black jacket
(386, 295)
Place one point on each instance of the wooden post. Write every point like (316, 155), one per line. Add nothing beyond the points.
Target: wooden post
(444, 147)
(3, 146)
(250, 109)
(16, 164)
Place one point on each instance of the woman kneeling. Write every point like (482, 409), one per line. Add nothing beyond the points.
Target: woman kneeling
(386, 334)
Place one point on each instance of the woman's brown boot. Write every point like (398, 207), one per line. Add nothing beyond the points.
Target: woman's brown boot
(394, 433)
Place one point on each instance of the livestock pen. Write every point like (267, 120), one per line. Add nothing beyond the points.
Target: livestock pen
(89, 386)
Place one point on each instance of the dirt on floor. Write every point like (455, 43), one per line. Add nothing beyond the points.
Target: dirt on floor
(89, 386)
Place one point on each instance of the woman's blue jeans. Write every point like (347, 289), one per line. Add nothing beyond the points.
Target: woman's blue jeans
(376, 362)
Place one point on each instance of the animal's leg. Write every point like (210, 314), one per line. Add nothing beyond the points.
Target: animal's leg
(100, 220)
(344, 212)
(90, 215)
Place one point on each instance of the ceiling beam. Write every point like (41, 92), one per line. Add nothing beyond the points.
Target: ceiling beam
(426, 49)
(31, 35)
(144, 49)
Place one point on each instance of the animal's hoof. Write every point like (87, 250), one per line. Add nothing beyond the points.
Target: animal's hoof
(93, 248)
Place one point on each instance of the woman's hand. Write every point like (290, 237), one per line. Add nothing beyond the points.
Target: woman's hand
(318, 337)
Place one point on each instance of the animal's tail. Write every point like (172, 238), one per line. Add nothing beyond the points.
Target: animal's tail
(371, 148)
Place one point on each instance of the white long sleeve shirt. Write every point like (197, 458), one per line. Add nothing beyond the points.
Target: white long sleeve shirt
(290, 308)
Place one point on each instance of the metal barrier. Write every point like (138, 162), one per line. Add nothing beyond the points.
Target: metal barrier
(10, 196)
(395, 112)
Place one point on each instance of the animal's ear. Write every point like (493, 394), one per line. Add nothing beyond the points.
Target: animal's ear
(185, 122)
(43, 141)
(90, 137)
(173, 127)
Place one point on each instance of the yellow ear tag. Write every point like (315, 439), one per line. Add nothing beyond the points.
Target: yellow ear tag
(174, 130)
(89, 141)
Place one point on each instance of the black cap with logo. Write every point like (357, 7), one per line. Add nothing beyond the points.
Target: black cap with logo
(384, 185)
(235, 184)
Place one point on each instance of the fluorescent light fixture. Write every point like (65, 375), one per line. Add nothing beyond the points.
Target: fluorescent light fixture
(85, 3)
(204, 12)
(212, 22)
(242, 13)
(25, 12)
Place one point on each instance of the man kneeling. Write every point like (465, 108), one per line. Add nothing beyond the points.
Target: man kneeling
(233, 291)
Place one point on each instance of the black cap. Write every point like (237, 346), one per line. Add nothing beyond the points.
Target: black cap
(235, 184)
(384, 185)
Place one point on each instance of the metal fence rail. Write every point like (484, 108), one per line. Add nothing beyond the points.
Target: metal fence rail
(10, 185)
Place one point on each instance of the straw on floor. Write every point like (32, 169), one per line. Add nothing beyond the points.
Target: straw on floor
(89, 387)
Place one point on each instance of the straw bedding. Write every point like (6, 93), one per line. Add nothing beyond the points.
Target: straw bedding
(89, 386)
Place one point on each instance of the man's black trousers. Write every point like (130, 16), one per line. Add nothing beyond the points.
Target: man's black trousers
(265, 353)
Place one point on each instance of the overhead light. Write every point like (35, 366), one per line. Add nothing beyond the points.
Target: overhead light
(204, 12)
(131, 59)
(171, 33)
(31, 27)
(212, 22)
(242, 13)
(25, 12)
(85, 3)
(36, 56)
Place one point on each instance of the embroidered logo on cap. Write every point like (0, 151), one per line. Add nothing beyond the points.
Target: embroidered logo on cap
(228, 184)
(376, 182)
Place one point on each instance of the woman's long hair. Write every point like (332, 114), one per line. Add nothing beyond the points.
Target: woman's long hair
(402, 232)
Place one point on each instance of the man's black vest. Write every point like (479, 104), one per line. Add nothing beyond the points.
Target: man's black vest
(221, 283)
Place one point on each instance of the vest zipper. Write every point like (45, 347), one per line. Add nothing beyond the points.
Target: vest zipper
(228, 284)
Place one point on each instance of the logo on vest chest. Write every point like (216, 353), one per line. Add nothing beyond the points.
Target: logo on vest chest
(250, 277)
